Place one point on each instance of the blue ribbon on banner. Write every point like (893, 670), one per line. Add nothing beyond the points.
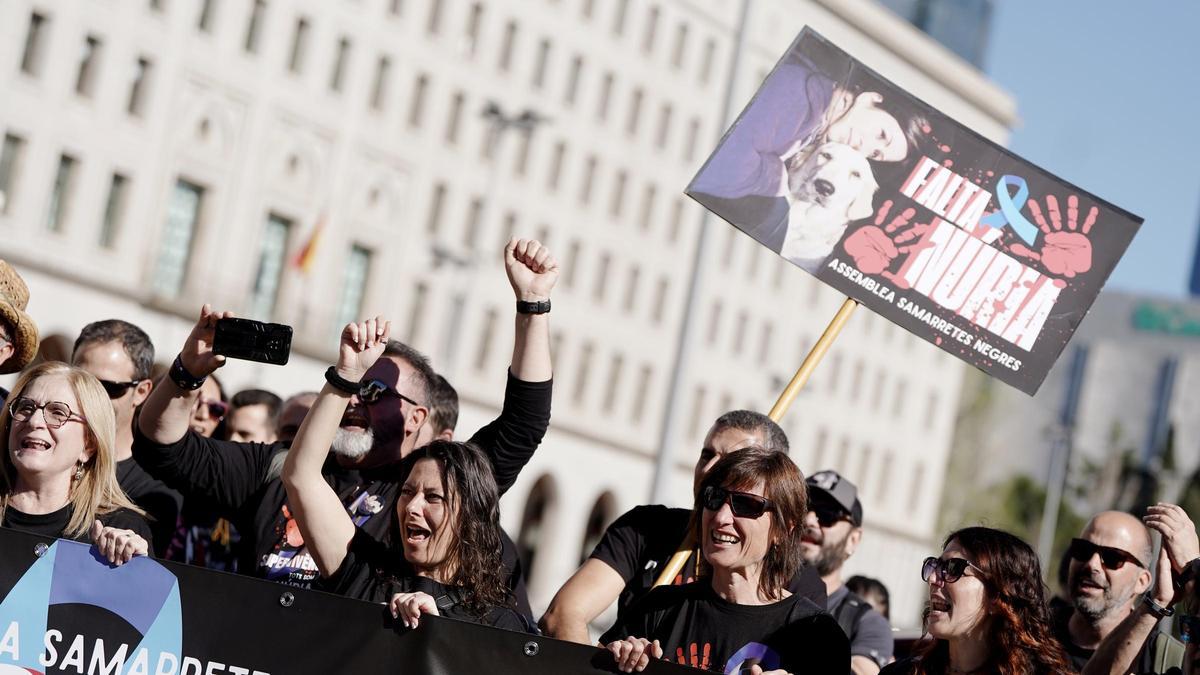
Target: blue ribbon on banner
(1010, 209)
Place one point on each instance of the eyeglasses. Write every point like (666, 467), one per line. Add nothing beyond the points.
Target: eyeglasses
(56, 413)
(743, 504)
(828, 515)
(116, 390)
(947, 570)
(217, 409)
(371, 391)
(1112, 558)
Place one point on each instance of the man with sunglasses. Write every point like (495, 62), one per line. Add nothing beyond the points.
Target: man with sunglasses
(1107, 578)
(832, 532)
(379, 428)
(121, 356)
(626, 562)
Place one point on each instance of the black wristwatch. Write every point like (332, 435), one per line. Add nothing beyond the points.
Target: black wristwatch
(182, 378)
(340, 383)
(539, 307)
(1156, 609)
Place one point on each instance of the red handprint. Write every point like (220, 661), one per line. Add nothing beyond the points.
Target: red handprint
(693, 658)
(1064, 253)
(874, 247)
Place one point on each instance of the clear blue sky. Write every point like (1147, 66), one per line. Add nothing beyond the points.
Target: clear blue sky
(1108, 93)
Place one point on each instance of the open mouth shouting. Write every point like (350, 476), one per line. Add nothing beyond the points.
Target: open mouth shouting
(415, 534)
(939, 607)
(355, 419)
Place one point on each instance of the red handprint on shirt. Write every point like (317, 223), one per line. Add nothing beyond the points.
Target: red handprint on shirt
(694, 658)
(874, 247)
(1063, 253)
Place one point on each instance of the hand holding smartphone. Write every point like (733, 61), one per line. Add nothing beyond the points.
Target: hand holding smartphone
(253, 340)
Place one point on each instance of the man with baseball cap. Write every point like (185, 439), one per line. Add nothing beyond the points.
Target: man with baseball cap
(832, 530)
(18, 332)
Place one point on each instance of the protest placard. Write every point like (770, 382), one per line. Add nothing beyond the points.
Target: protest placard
(912, 214)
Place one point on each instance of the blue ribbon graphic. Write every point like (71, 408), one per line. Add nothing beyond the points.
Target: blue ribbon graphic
(1010, 209)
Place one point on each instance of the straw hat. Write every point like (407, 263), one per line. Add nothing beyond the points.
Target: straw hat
(14, 297)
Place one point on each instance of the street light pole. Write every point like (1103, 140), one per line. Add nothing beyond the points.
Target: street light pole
(669, 434)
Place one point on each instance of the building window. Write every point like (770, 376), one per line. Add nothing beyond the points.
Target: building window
(339, 65)
(898, 398)
(714, 322)
(597, 521)
(856, 380)
(664, 126)
(31, 55)
(507, 44)
(606, 86)
(11, 155)
(183, 216)
(581, 373)
(396, 7)
(539, 68)
(641, 394)
(660, 299)
(679, 50)
(416, 316)
(434, 23)
(635, 111)
(556, 164)
(631, 288)
(473, 223)
(139, 86)
(649, 195)
(877, 391)
(885, 478)
(586, 9)
(521, 159)
(572, 89)
(114, 210)
(60, 195)
(383, 70)
(739, 333)
(618, 25)
(354, 286)
(835, 371)
(617, 203)
(484, 354)
(471, 33)
(764, 344)
(914, 492)
(85, 79)
(614, 383)
(416, 109)
(299, 46)
(589, 175)
(510, 228)
(572, 263)
(676, 219)
(436, 204)
(270, 267)
(698, 406)
(693, 137)
(706, 62)
(651, 29)
(601, 284)
(454, 117)
(931, 405)
(254, 26)
(541, 502)
(208, 11)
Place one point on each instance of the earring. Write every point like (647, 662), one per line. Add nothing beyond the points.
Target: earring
(79, 472)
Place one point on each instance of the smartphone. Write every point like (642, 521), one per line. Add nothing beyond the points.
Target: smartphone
(253, 340)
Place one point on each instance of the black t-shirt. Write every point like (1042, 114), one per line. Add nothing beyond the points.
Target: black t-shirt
(239, 481)
(698, 628)
(159, 502)
(639, 543)
(373, 572)
(1078, 656)
(53, 524)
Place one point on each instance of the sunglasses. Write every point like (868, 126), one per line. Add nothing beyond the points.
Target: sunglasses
(116, 390)
(945, 570)
(56, 413)
(372, 390)
(217, 409)
(828, 515)
(742, 504)
(1082, 550)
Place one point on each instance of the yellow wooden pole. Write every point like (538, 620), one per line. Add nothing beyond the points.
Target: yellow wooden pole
(686, 547)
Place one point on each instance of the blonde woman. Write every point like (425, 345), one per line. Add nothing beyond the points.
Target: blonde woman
(59, 474)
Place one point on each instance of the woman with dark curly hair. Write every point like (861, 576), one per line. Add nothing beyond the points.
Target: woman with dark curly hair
(987, 610)
(446, 527)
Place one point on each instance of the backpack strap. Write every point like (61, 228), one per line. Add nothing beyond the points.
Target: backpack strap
(850, 612)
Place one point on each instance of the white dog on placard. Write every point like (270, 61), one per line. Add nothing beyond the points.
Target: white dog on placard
(828, 188)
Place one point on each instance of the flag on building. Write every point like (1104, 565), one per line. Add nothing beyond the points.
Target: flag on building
(304, 257)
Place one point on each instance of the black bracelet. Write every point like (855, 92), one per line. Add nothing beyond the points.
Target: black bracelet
(1156, 609)
(182, 378)
(340, 383)
(527, 307)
